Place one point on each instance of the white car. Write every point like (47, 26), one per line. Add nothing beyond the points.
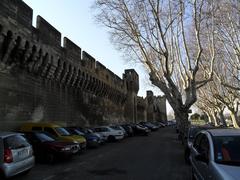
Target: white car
(109, 133)
(120, 128)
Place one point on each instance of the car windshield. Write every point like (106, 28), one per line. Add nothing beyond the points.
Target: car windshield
(89, 131)
(226, 150)
(79, 132)
(84, 131)
(44, 138)
(62, 131)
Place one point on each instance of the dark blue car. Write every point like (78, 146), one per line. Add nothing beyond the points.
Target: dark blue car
(92, 139)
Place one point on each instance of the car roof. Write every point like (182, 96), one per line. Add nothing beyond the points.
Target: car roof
(224, 132)
(102, 127)
(4, 134)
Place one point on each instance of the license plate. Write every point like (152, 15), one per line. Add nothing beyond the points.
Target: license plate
(23, 153)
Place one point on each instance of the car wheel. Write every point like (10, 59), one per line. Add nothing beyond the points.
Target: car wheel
(111, 138)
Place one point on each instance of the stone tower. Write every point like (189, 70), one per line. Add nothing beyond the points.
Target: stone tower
(156, 107)
(132, 83)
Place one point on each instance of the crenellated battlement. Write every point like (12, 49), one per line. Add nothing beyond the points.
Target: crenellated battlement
(45, 78)
(17, 12)
(47, 34)
(43, 54)
(73, 52)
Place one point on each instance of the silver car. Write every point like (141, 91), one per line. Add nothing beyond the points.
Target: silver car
(16, 154)
(215, 154)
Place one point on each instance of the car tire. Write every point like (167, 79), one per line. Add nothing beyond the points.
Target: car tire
(111, 139)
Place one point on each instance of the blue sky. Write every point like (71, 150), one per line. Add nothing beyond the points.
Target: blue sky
(75, 20)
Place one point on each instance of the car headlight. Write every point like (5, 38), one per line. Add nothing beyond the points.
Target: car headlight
(75, 141)
(66, 149)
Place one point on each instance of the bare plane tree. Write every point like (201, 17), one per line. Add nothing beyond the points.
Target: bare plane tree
(228, 97)
(209, 102)
(228, 36)
(167, 37)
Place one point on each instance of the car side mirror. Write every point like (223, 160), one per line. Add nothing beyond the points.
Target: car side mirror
(202, 158)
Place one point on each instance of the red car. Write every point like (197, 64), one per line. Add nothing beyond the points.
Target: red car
(47, 148)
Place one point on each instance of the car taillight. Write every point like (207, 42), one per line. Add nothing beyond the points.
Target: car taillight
(8, 158)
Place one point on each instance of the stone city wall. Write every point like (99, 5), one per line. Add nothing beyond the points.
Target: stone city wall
(40, 80)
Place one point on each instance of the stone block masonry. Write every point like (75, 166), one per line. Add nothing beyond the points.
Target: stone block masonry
(40, 80)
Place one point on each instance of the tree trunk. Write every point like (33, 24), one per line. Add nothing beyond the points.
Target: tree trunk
(209, 117)
(183, 124)
(234, 119)
(222, 118)
(214, 118)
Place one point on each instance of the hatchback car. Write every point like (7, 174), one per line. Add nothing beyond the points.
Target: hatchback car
(16, 154)
(140, 130)
(99, 135)
(215, 154)
(119, 128)
(92, 139)
(149, 125)
(47, 148)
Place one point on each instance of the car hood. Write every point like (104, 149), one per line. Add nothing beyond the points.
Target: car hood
(73, 138)
(58, 143)
(91, 136)
(229, 172)
(97, 134)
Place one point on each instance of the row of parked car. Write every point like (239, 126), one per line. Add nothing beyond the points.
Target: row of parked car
(49, 142)
(213, 153)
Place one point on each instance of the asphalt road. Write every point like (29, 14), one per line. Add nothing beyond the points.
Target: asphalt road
(156, 157)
